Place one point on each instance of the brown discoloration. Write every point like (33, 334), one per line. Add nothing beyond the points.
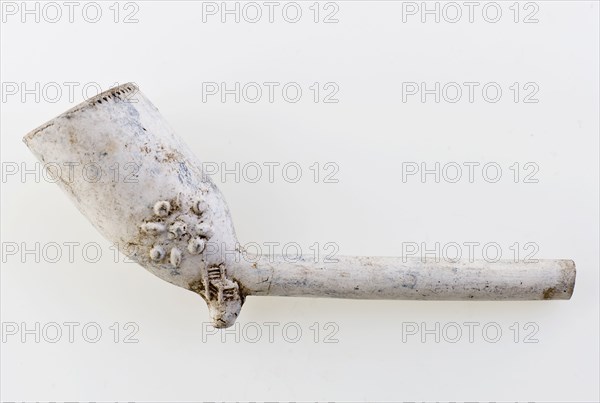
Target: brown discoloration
(72, 136)
(569, 274)
(243, 291)
(170, 157)
(549, 293)
(197, 286)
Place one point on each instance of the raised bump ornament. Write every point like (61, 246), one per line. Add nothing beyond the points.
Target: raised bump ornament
(171, 219)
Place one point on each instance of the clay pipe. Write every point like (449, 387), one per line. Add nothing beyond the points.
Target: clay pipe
(167, 215)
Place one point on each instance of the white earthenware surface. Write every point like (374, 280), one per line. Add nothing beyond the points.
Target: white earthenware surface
(347, 350)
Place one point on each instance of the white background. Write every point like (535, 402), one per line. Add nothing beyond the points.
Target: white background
(370, 134)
